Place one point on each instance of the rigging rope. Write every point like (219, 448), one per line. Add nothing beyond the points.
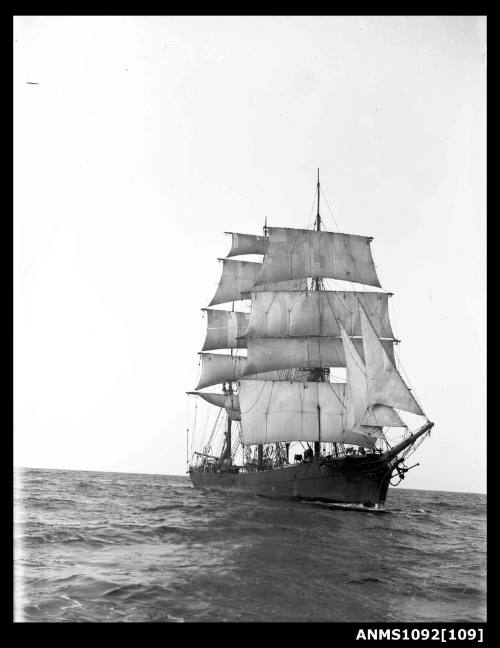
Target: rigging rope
(311, 217)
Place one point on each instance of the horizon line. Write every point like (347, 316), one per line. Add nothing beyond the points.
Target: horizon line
(130, 472)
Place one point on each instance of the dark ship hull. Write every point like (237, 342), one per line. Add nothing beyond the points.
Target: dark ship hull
(361, 479)
(352, 480)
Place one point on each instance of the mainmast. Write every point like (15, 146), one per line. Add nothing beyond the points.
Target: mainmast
(260, 446)
(318, 375)
(317, 280)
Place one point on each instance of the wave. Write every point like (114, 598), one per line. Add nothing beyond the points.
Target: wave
(172, 507)
(137, 548)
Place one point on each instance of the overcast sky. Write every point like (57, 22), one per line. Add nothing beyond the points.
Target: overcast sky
(140, 140)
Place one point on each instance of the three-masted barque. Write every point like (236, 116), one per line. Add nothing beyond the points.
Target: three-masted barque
(286, 425)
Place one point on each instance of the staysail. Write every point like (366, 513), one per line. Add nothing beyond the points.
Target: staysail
(358, 410)
(385, 385)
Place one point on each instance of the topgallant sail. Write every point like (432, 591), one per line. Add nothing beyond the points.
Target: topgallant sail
(286, 425)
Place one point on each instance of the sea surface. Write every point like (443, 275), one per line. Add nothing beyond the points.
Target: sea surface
(95, 546)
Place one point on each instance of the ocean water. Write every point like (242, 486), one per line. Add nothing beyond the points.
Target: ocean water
(92, 546)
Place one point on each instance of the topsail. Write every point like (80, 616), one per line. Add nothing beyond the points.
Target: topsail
(217, 368)
(295, 253)
(225, 329)
(304, 313)
(314, 352)
(237, 277)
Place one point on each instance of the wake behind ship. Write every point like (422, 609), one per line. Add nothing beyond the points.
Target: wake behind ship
(313, 410)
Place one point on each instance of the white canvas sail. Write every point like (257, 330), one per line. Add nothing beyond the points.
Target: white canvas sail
(230, 402)
(217, 368)
(293, 284)
(288, 411)
(246, 244)
(385, 385)
(382, 416)
(237, 277)
(296, 253)
(358, 407)
(298, 313)
(268, 354)
(238, 280)
(296, 411)
(225, 329)
(369, 433)
(357, 387)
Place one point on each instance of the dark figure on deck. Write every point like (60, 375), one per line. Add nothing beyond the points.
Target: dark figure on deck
(308, 455)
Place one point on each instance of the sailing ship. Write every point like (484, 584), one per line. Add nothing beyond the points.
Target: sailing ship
(311, 398)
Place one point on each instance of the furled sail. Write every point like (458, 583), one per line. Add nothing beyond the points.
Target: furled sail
(295, 411)
(385, 385)
(230, 402)
(298, 313)
(225, 329)
(237, 277)
(358, 410)
(296, 253)
(246, 244)
(267, 354)
(219, 368)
